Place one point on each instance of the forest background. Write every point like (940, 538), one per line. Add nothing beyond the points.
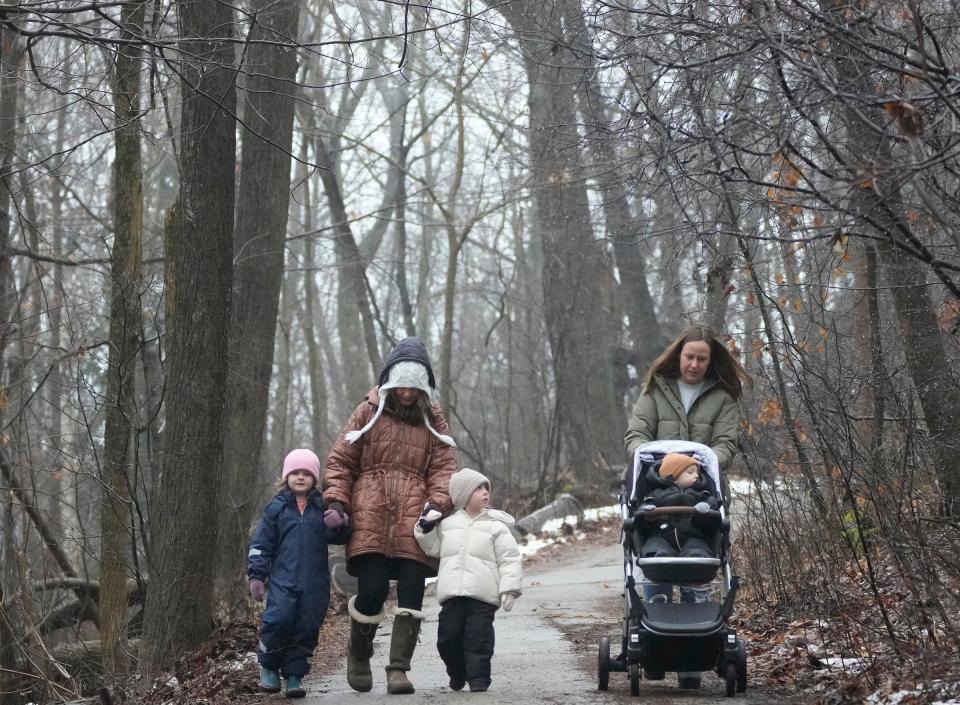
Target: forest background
(216, 218)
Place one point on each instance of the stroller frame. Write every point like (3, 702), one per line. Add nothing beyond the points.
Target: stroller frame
(674, 636)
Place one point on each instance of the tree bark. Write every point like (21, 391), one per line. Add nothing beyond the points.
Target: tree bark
(11, 54)
(623, 229)
(125, 327)
(319, 392)
(578, 326)
(354, 319)
(878, 201)
(261, 226)
(179, 609)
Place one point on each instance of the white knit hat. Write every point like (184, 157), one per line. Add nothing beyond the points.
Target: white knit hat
(464, 483)
(403, 374)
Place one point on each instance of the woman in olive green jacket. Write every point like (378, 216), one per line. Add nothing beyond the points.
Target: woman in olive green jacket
(691, 394)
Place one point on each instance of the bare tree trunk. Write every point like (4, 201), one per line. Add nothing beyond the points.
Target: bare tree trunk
(319, 392)
(803, 459)
(623, 229)
(399, 149)
(455, 240)
(11, 53)
(125, 326)
(578, 326)
(281, 429)
(179, 609)
(879, 203)
(868, 343)
(261, 226)
(354, 319)
(56, 389)
(424, 311)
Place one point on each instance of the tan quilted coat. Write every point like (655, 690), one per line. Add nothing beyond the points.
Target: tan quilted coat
(385, 478)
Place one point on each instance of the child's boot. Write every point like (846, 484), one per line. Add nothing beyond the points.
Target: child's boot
(295, 687)
(363, 628)
(269, 680)
(406, 628)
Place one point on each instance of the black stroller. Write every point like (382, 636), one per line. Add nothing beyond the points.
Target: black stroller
(661, 633)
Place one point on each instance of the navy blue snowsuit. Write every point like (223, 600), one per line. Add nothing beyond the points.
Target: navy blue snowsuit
(289, 552)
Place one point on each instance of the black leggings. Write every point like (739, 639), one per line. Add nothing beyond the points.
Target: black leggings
(374, 573)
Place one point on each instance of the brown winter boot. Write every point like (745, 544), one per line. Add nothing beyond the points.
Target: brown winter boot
(406, 629)
(360, 647)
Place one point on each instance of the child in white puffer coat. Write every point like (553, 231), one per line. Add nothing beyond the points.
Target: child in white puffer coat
(480, 571)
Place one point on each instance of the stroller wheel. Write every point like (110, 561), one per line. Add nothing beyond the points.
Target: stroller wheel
(731, 677)
(634, 673)
(741, 666)
(603, 664)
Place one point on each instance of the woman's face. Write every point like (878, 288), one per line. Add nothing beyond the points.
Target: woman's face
(694, 361)
(407, 396)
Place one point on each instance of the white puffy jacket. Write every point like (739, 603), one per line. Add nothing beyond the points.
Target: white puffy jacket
(479, 557)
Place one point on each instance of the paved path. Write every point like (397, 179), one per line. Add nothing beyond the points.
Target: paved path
(534, 662)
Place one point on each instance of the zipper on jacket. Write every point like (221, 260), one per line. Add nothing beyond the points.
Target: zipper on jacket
(300, 532)
(463, 554)
(393, 493)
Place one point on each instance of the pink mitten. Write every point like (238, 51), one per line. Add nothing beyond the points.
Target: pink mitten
(257, 589)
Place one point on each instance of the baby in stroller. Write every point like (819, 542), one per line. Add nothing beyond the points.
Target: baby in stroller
(680, 482)
(676, 536)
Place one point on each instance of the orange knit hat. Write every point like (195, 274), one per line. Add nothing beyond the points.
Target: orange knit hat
(675, 463)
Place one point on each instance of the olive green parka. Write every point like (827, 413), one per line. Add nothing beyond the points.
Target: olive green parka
(658, 415)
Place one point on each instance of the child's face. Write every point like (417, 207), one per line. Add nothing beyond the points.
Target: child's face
(688, 477)
(478, 500)
(300, 481)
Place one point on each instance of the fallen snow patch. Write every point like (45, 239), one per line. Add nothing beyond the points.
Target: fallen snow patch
(844, 664)
(554, 526)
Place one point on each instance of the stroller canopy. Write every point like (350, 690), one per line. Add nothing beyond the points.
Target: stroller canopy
(649, 453)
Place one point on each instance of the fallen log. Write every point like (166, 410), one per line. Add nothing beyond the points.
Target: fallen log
(46, 533)
(342, 581)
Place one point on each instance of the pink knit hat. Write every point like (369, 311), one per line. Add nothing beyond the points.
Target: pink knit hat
(302, 459)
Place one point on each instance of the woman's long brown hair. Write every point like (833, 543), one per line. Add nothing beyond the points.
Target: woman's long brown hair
(724, 366)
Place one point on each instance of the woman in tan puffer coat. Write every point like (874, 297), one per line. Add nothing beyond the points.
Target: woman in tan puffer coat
(393, 458)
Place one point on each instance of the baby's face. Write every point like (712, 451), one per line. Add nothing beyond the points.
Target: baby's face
(688, 477)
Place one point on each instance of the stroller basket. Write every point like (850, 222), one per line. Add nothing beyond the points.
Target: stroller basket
(701, 619)
(680, 570)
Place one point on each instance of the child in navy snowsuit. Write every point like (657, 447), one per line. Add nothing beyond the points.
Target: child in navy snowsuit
(288, 553)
